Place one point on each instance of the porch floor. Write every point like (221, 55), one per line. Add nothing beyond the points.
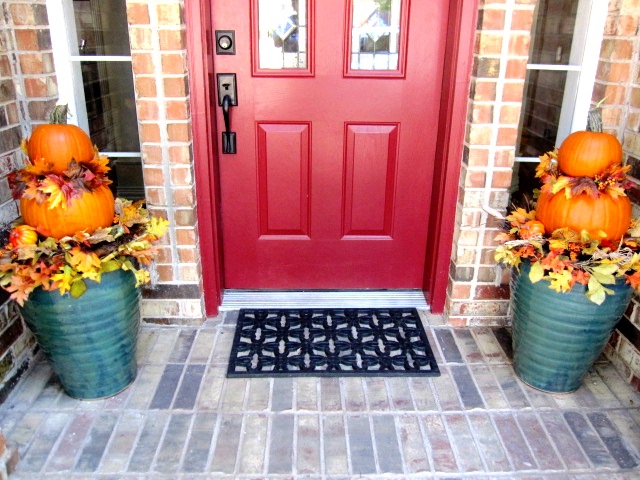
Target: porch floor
(183, 419)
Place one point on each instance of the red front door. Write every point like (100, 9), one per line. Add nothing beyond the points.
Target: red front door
(335, 131)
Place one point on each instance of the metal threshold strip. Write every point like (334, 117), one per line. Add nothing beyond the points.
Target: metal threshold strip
(236, 299)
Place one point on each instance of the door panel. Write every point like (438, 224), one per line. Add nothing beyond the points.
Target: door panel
(330, 184)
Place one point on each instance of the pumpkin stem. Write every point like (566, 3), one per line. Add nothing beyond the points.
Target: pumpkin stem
(59, 115)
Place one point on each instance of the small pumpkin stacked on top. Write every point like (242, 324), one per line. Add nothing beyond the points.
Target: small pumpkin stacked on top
(584, 187)
(581, 230)
(64, 187)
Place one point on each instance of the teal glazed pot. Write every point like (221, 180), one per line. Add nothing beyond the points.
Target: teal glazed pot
(90, 341)
(557, 337)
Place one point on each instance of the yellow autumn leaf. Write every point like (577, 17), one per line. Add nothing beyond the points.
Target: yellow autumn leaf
(562, 183)
(560, 281)
(82, 261)
(64, 279)
(56, 195)
(536, 273)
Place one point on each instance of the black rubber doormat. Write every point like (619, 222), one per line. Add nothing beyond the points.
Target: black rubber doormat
(331, 342)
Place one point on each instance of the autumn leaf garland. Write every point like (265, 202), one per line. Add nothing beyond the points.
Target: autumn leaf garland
(612, 181)
(37, 181)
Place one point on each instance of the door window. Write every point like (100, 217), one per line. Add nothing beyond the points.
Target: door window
(283, 32)
(377, 37)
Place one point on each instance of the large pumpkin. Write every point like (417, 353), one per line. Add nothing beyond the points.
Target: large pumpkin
(583, 212)
(57, 143)
(90, 211)
(585, 154)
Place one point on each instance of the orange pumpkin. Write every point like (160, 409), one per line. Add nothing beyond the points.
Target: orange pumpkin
(585, 154)
(583, 212)
(57, 143)
(91, 210)
(23, 235)
(532, 228)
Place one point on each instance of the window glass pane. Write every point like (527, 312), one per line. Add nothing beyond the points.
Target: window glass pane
(544, 91)
(102, 27)
(283, 32)
(375, 34)
(111, 109)
(126, 175)
(553, 31)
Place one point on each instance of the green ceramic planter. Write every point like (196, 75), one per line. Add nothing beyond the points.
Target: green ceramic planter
(558, 336)
(90, 341)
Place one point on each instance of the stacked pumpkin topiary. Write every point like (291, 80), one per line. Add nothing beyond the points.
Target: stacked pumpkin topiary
(64, 187)
(584, 189)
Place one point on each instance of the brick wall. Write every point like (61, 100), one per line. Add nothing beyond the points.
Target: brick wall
(158, 54)
(27, 92)
(478, 290)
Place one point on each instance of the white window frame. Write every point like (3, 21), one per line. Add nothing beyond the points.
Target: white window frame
(581, 70)
(67, 59)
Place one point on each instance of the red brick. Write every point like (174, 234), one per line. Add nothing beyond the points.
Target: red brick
(152, 154)
(183, 197)
(165, 273)
(185, 236)
(475, 179)
(489, 43)
(519, 44)
(179, 154)
(142, 63)
(478, 157)
(36, 63)
(179, 132)
(501, 179)
(170, 14)
(138, 13)
(184, 217)
(187, 254)
(28, 14)
(616, 49)
(147, 110)
(510, 114)
(480, 135)
(150, 132)
(177, 110)
(40, 87)
(140, 38)
(491, 19)
(507, 136)
(481, 113)
(26, 39)
(483, 90)
(516, 68)
(181, 176)
(172, 39)
(489, 292)
(145, 87)
(173, 63)
(504, 158)
(175, 87)
(153, 177)
(155, 196)
(512, 92)
(522, 20)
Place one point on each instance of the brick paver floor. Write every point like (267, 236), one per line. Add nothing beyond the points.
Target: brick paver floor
(182, 419)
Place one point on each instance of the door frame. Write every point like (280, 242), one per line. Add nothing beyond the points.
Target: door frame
(449, 147)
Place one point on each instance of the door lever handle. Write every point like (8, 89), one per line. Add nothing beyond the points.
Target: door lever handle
(228, 137)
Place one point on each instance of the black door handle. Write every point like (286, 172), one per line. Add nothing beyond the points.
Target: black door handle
(228, 137)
